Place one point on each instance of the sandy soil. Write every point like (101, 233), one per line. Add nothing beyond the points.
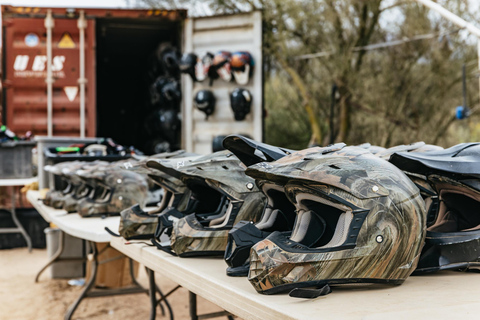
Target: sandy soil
(23, 299)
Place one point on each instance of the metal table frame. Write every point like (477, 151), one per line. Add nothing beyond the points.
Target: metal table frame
(95, 234)
(19, 228)
(90, 291)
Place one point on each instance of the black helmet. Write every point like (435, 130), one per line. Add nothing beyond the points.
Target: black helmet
(163, 123)
(453, 240)
(217, 143)
(240, 102)
(205, 102)
(202, 67)
(165, 92)
(169, 58)
(187, 64)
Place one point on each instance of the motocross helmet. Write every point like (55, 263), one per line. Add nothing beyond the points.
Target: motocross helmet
(202, 68)
(165, 93)
(376, 149)
(178, 200)
(242, 66)
(169, 58)
(419, 146)
(453, 240)
(133, 218)
(428, 194)
(359, 220)
(240, 102)
(221, 66)
(278, 215)
(165, 125)
(81, 189)
(62, 186)
(205, 101)
(187, 64)
(251, 152)
(137, 224)
(224, 196)
(115, 190)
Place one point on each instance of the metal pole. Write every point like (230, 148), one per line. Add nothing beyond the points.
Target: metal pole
(478, 51)
(82, 24)
(455, 19)
(49, 24)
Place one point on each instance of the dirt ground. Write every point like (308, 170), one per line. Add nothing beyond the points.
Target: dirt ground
(23, 299)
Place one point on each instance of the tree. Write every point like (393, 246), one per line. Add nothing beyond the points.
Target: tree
(393, 95)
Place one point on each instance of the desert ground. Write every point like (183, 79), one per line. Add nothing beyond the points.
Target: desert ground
(23, 299)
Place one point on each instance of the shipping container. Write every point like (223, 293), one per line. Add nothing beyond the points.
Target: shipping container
(85, 72)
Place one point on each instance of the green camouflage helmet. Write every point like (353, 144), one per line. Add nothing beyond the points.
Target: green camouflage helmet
(137, 224)
(115, 190)
(177, 195)
(224, 196)
(359, 220)
(63, 185)
(81, 188)
(173, 188)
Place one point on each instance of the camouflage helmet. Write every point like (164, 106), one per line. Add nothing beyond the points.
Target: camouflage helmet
(157, 193)
(136, 223)
(453, 239)
(177, 201)
(278, 214)
(373, 149)
(63, 186)
(359, 220)
(115, 189)
(81, 189)
(224, 195)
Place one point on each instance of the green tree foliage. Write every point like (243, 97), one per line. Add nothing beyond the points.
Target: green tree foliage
(387, 96)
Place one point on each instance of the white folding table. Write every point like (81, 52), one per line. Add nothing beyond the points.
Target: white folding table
(19, 228)
(443, 295)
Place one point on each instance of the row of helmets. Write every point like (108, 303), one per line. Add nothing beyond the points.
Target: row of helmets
(318, 217)
(225, 65)
(240, 102)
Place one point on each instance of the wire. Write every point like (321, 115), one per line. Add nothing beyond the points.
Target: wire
(377, 46)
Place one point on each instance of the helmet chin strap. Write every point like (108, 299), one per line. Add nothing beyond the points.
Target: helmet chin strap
(310, 293)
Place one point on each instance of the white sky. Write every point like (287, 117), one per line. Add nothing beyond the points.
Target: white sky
(69, 3)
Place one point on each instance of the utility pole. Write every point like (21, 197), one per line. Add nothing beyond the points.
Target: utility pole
(458, 21)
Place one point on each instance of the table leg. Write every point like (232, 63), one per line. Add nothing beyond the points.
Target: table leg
(88, 286)
(152, 292)
(18, 224)
(192, 299)
(55, 256)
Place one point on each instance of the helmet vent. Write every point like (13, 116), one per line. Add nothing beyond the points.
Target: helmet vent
(334, 166)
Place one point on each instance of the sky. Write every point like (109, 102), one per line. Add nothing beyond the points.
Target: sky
(69, 3)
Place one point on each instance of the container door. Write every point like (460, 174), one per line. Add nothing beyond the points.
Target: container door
(25, 69)
(240, 32)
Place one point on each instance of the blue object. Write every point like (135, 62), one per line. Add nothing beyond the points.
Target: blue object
(461, 112)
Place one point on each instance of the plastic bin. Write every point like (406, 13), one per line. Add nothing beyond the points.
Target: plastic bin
(16, 159)
(73, 248)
